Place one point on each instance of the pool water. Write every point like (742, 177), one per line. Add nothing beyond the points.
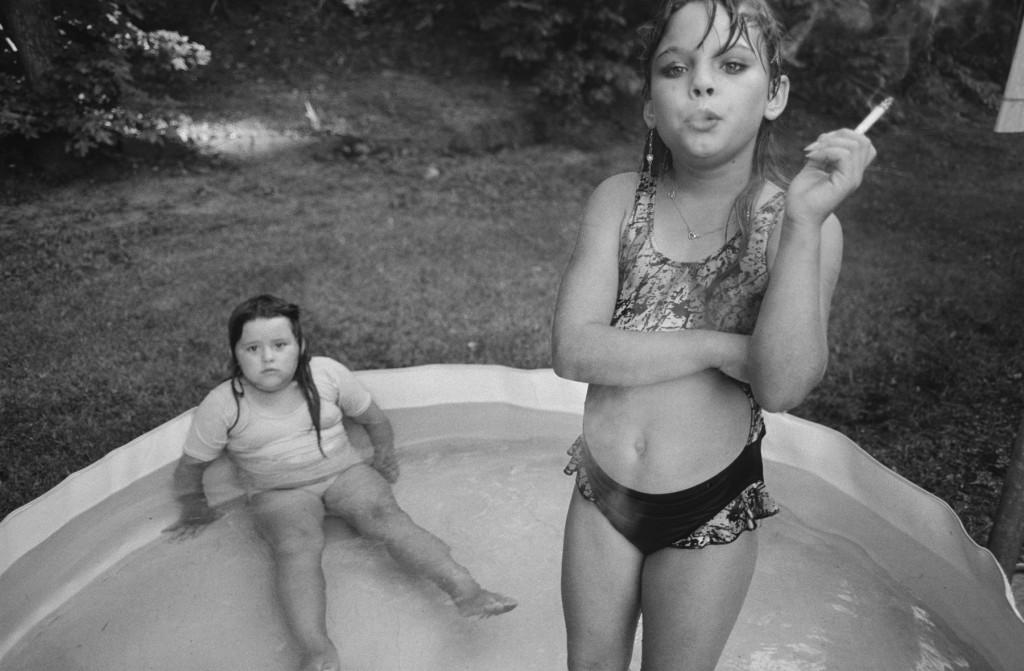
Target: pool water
(818, 601)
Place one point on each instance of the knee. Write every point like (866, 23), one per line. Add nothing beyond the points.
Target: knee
(599, 647)
(597, 662)
(295, 542)
(377, 519)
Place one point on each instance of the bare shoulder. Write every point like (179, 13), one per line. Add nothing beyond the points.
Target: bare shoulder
(621, 186)
(622, 181)
(588, 289)
(617, 191)
(612, 201)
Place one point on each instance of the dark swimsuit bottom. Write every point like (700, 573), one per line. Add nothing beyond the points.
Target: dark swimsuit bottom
(713, 512)
(656, 293)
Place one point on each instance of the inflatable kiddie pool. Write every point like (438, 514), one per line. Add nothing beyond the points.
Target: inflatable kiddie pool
(862, 570)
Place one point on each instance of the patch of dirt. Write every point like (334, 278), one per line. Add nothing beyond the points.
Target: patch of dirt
(284, 88)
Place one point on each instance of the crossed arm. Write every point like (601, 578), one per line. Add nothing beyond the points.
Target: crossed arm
(787, 353)
(584, 345)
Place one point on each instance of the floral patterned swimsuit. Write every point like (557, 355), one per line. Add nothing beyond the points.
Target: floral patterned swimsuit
(656, 293)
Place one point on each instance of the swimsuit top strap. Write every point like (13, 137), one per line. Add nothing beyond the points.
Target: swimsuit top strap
(643, 206)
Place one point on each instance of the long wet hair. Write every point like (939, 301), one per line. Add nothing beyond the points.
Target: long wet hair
(266, 306)
(750, 20)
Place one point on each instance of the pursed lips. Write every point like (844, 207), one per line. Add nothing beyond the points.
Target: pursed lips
(703, 120)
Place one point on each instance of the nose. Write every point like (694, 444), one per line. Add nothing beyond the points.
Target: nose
(703, 82)
(267, 354)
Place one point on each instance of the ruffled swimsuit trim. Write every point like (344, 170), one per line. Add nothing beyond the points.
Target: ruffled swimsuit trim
(723, 293)
(690, 519)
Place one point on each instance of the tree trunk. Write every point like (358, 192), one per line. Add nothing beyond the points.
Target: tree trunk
(1007, 535)
(30, 25)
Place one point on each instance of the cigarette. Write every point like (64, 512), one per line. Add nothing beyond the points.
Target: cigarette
(874, 115)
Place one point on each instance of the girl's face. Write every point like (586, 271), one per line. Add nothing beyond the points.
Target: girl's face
(706, 104)
(268, 353)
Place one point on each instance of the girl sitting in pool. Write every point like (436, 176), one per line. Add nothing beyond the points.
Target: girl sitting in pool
(279, 416)
(698, 291)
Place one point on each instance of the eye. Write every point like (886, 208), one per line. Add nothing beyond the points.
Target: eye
(734, 67)
(674, 70)
(251, 349)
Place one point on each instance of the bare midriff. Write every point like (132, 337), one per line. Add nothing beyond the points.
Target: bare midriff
(668, 436)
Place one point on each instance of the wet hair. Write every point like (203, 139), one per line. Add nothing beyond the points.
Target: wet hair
(749, 20)
(266, 306)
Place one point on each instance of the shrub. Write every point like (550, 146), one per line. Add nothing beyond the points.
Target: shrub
(96, 95)
(849, 52)
(575, 53)
(582, 53)
(578, 53)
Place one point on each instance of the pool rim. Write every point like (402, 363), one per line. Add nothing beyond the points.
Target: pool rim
(847, 466)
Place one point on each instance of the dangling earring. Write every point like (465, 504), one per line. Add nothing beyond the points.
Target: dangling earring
(649, 152)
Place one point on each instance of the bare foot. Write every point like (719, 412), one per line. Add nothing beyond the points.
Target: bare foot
(484, 604)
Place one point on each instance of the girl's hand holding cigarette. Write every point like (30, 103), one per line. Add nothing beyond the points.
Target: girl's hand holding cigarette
(835, 166)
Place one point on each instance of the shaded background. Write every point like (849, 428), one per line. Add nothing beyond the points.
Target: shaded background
(413, 175)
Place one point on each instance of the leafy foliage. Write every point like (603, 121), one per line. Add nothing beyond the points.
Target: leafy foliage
(96, 94)
(577, 52)
(847, 52)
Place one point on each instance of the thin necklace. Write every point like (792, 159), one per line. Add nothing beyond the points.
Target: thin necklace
(689, 231)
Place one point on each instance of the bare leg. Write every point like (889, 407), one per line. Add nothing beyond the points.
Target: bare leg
(601, 574)
(291, 522)
(363, 497)
(691, 599)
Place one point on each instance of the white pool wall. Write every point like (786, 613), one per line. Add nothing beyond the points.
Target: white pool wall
(413, 392)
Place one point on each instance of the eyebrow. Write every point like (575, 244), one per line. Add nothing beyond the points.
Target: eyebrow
(674, 50)
(260, 341)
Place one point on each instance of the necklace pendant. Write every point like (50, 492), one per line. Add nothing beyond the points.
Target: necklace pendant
(692, 235)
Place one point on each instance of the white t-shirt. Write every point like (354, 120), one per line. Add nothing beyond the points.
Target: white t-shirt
(280, 451)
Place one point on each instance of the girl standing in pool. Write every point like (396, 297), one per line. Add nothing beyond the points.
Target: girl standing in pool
(698, 291)
(279, 416)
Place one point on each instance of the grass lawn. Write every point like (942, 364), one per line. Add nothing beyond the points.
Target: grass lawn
(441, 237)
